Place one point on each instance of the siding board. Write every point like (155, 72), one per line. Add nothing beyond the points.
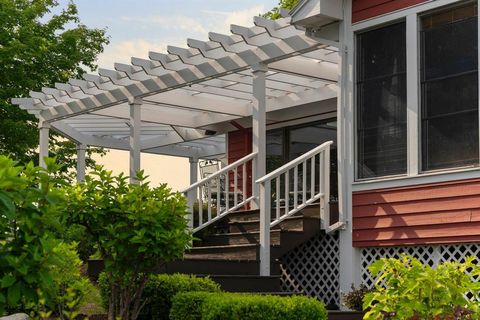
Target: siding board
(424, 214)
(365, 9)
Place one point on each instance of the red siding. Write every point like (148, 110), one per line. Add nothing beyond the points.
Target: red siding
(364, 9)
(426, 214)
(240, 145)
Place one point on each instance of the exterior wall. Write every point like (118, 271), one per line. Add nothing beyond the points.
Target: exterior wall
(240, 145)
(365, 9)
(447, 212)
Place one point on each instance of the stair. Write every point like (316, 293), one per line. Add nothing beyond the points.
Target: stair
(228, 251)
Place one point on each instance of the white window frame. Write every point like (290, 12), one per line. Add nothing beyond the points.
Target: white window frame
(414, 174)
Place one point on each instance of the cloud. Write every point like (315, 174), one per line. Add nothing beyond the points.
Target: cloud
(123, 51)
(178, 22)
(223, 19)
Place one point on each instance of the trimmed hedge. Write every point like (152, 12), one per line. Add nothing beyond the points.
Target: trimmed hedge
(161, 289)
(235, 306)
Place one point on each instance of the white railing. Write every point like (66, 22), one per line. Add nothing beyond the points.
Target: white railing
(219, 194)
(295, 185)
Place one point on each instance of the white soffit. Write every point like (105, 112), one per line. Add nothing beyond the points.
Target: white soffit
(188, 89)
(317, 13)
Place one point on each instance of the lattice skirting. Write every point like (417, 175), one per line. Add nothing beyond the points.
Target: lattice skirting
(431, 255)
(313, 268)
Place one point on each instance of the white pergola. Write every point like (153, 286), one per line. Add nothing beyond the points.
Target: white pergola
(182, 103)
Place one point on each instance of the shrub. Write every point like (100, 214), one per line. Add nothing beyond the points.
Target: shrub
(353, 300)
(407, 289)
(160, 290)
(134, 227)
(31, 207)
(225, 306)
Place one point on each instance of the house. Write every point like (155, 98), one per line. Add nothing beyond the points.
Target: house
(353, 123)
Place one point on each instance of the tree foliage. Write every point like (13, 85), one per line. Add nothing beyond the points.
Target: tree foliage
(134, 227)
(283, 4)
(38, 49)
(407, 289)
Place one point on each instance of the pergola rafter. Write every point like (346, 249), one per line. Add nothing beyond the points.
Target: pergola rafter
(186, 90)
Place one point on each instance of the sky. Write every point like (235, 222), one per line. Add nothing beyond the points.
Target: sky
(136, 27)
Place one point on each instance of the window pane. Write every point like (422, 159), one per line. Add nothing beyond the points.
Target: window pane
(450, 141)
(381, 102)
(450, 88)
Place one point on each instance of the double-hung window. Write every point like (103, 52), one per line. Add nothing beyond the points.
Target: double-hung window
(449, 88)
(381, 102)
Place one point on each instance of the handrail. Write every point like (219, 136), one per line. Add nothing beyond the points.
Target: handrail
(294, 162)
(217, 194)
(222, 171)
(306, 171)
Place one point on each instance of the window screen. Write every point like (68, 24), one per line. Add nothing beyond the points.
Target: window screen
(449, 88)
(381, 102)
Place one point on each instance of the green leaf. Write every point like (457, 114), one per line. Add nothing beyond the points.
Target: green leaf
(8, 280)
(13, 295)
(8, 204)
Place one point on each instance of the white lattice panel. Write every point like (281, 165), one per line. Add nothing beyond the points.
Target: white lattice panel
(431, 255)
(313, 269)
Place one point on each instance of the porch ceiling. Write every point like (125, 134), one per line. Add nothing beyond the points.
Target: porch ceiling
(187, 90)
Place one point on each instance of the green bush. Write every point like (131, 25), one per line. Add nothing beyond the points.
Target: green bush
(407, 289)
(160, 290)
(226, 306)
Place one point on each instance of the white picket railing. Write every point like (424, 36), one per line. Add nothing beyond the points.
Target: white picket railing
(220, 193)
(308, 188)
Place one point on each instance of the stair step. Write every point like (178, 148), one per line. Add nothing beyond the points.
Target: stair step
(294, 223)
(240, 283)
(223, 239)
(217, 267)
(242, 252)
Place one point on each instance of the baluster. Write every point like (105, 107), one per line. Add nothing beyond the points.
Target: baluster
(244, 182)
(312, 177)
(287, 192)
(209, 201)
(321, 185)
(304, 184)
(227, 191)
(218, 195)
(277, 198)
(235, 184)
(200, 207)
(295, 187)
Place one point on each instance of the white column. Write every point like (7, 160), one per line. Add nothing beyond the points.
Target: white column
(81, 151)
(349, 256)
(135, 131)
(192, 194)
(44, 130)
(262, 192)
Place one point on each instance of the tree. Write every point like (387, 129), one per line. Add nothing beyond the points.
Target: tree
(283, 4)
(37, 49)
(134, 227)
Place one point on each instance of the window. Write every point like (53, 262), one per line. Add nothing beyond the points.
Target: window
(449, 88)
(381, 102)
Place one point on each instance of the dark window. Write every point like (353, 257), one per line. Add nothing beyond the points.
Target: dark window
(381, 102)
(449, 78)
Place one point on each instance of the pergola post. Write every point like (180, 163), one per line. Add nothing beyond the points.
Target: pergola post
(81, 153)
(192, 194)
(135, 132)
(44, 130)
(259, 119)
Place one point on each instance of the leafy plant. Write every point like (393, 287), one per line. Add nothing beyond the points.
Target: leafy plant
(31, 207)
(354, 299)
(134, 227)
(407, 289)
(160, 290)
(225, 306)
